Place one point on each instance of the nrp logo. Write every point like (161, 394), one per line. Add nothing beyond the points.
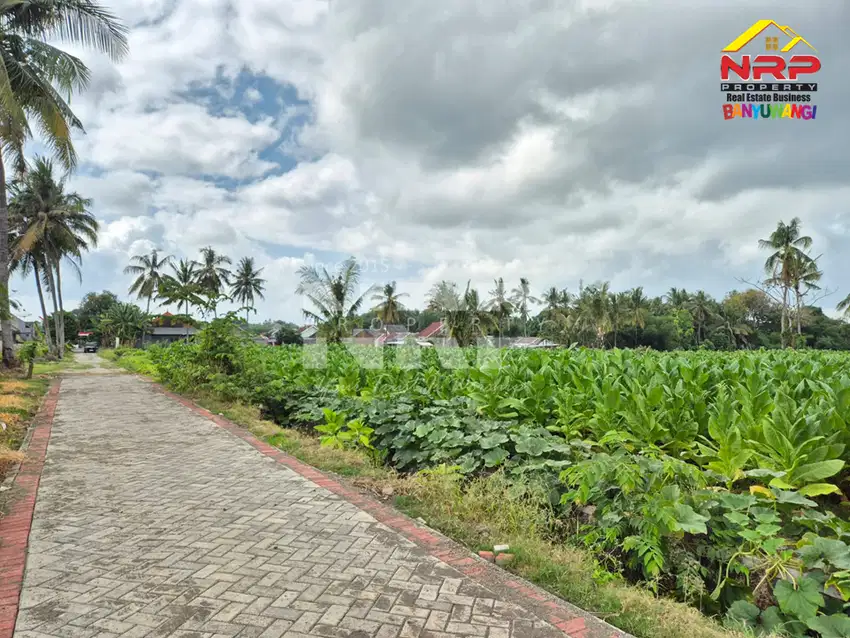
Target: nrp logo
(774, 84)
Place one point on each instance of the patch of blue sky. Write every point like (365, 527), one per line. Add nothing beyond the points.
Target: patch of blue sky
(255, 97)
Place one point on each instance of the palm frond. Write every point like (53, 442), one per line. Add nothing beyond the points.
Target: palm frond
(78, 21)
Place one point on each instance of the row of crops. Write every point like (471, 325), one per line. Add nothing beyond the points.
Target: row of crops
(718, 478)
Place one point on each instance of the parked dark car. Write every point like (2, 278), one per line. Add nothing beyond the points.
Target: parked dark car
(90, 346)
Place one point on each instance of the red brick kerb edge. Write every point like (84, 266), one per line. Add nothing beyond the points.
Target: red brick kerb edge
(15, 527)
(574, 622)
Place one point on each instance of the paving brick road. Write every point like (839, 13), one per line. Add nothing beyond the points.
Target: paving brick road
(153, 521)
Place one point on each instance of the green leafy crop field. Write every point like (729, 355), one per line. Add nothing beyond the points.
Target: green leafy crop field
(717, 478)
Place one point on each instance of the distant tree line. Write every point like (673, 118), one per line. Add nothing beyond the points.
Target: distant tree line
(775, 311)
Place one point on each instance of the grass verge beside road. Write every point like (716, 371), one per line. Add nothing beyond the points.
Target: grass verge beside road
(479, 514)
(68, 362)
(19, 402)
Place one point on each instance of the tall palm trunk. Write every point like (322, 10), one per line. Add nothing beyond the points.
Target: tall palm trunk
(185, 306)
(47, 333)
(799, 300)
(60, 338)
(5, 312)
(147, 312)
(784, 318)
(51, 284)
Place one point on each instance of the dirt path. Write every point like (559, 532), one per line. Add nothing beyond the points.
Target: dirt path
(151, 520)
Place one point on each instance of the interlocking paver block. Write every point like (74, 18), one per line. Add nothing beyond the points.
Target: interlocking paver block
(151, 520)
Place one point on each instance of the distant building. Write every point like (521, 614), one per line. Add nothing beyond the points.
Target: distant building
(437, 334)
(392, 328)
(22, 330)
(405, 339)
(532, 342)
(434, 330)
(163, 335)
(365, 333)
(308, 332)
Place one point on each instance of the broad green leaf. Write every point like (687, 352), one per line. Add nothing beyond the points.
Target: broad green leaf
(689, 521)
(823, 551)
(764, 515)
(812, 472)
(763, 473)
(738, 518)
(835, 626)
(495, 457)
(533, 446)
(772, 620)
(780, 484)
(494, 439)
(738, 501)
(772, 545)
(802, 601)
(468, 463)
(792, 498)
(424, 429)
(655, 395)
(768, 530)
(744, 612)
(819, 489)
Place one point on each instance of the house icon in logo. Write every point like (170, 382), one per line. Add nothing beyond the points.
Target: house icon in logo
(774, 34)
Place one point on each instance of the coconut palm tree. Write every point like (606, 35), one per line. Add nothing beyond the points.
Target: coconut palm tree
(593, 310)
(125, 321)
(247, 284)
(638, 310)
(36, 80)
(805, 276)
(788, 248)
(522, 298)
(213, 276)
(499, 304)
(700, 307)
(31, 262)
(556, 299)
(844, 306)
(148, 270)
(333, 296)
(464, 316)
(619, 309)
(389, 304)
(181, 288)
(677, 297)
(55, 226)
(733, 316)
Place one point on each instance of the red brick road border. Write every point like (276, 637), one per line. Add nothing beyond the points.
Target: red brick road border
(574, 622)
(15, 527)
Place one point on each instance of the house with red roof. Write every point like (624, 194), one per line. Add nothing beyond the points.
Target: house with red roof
(435, 330)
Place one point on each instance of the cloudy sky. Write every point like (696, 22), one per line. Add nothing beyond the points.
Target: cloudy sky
(559, 140)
